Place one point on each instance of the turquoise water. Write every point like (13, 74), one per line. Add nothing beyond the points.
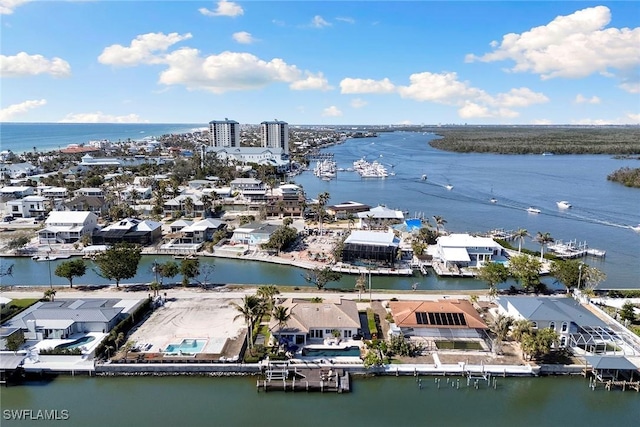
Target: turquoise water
(77, 343)
(186, 346)
(332, 352)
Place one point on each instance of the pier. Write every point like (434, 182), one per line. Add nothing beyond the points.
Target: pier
(574, 249)
(613, 372)
(280, 377)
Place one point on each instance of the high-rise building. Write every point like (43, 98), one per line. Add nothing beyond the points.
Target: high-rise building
(224, 133)
(275, 134)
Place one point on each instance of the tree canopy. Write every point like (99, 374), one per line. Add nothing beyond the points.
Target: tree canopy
(71, 269)
(321, 276)
(119, 262)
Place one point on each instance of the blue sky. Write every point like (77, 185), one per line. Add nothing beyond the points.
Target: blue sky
(329, 62)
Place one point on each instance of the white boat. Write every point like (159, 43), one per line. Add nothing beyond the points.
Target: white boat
(424, 177)
(493, 200)
(563, 204)
(636, 228)
(449, 187)
(533, 210)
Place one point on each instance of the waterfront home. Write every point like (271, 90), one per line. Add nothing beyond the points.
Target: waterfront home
(178, 225)
(130, 230)
(575, 324)
(27, 207)
(441, 319)
(137, 191)
(343, 210)
(200, 231)
(88, 161)
(62, 318)
(379, 217)
(11, 192)
(52, 192)
(275, 157)
(253, 234)
(67, 227)
(286, 200)
(313, 322)
(379, 246)
(464, 250)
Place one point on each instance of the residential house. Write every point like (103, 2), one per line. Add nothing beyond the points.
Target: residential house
(345, 209)
(67, 227)
(62, 318)
(90, 192)
(17, 170)
(380, 246)
(312, 322)
(379, 217)
(253, 234)
(27, 207)
(286, 200)
(97, 205)
(12, 192)
(130, 230)
(52, 192)
(441, 319)
(201, 231)
(179, 206)
(178, 225)
(464, 250)
(575, 324)
(251, 189)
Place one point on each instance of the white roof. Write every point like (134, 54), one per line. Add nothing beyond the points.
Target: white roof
(68, 217)
(372, 238)
(456, 254)
(466, 241)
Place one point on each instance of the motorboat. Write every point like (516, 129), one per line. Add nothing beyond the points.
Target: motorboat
(636, 228)
(424, 177)
(563, 204)
(449, 187)
(493, 200)
(533, 210)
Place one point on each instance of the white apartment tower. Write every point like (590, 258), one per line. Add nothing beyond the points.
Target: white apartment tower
(275, 134)
(224, 133)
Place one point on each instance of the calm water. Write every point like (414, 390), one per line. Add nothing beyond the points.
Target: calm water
(21, 137)
(601, 215)
(388, 401)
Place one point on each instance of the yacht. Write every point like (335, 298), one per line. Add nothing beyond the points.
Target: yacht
(493, 200)
(533, 210)
(563, 204)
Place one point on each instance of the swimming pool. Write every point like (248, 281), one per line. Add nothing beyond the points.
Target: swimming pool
(353, 351)
(187, 346)
(77, 343)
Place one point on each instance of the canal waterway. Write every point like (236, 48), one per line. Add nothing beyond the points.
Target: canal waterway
(382, 401)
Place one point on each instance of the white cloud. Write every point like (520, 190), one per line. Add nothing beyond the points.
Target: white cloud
(444, 88)
(232, 71)
(311, 82)
(225, 8)
(353, 86)
(571, 46)
(7, 6)
(142, 50)
(100, 117)
(319, 22)
(332, 111)
(631, 87)
(580, 99)
(521, 97)
(24, 64)
(595, 122)
(243, 37)
(635, 118)
(541, 122)
(7, 114)
(405, 122)
(473, 110)
(358, 103)
(346, 19)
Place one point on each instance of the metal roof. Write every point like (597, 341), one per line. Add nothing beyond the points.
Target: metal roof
(611, 362)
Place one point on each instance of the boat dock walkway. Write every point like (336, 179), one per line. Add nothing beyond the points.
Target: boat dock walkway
(323, 379)
(574, 249)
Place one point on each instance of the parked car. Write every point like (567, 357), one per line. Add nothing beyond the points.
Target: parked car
(7, 218)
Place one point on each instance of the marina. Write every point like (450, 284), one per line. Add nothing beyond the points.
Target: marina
(574, 249)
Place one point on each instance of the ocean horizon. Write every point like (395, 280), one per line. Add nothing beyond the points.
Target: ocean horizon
(20, 137)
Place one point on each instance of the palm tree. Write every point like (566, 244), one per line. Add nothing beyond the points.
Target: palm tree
(249, 311)
(282, 316)
(323, 198)
(500, 326)
(188, 206)
(50, 294)
(206, 204)
(520, 328)
(543, 239)
(267, 293)
(351, 220)
(520, 236)
(440, 221)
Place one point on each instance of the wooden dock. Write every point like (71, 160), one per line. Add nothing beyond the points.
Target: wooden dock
(282, 378)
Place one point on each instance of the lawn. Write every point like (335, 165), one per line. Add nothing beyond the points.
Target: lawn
(458, 345)
(16, 306)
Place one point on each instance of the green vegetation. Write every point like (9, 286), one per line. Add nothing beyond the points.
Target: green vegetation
(321, 276)
(15, 341)
(15, 307)
(61, 351)
(624, 293)
(119, 262)
(626, 176)
(71, 269)
(539, 139)
(371, 321)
